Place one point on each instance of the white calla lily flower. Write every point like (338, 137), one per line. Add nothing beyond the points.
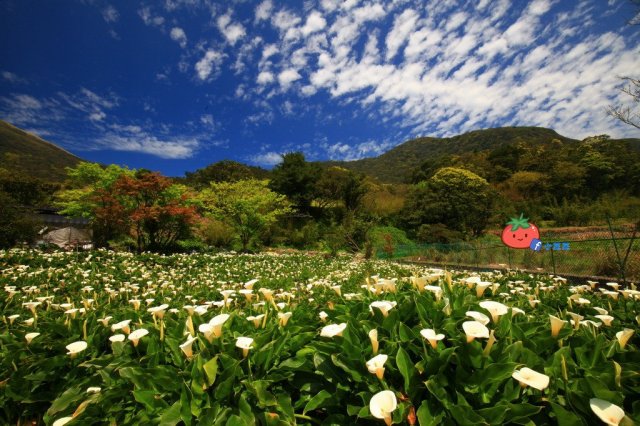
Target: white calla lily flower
(529, 377)
(333, 330)
(475, 330)
(376, 365)
(609, 413)
(382, 405)
(430, 335)
(76, 347)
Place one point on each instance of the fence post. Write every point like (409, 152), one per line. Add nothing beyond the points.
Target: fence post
(475, 250)
(621, 265)
(553, 261)
(509, 256)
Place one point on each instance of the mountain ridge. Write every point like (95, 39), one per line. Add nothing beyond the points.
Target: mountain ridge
(27, 154)
(395, 165)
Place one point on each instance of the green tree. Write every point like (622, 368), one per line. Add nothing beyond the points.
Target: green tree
(18, 224)
(223, 171)
(296, 178)
(457, 198)
(337, 185)
(127, 203)
(89, 187)
(249, 206)
(525, 185)
(567, 180)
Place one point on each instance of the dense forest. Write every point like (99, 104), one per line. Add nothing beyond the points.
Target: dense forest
(425, 190)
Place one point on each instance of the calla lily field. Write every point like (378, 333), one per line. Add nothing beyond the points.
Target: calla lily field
(108, 338)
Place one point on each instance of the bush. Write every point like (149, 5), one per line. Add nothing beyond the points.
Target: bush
(216, 233)
(122, 243)
(387, 239)
(305, 237)
(437, 233)
(192, 246)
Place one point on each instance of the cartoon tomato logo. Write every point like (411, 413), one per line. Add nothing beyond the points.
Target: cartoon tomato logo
(519, 233)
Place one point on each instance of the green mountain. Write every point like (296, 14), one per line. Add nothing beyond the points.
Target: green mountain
(398, 164)
(26, 154)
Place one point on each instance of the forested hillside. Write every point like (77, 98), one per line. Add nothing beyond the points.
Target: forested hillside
(399, 164)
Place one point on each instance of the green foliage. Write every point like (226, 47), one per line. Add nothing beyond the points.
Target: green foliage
(86, 182)
(381, 236)
(298, 373)
(215, 232)
(296, 178)
(249, 206)
(224, 171)
(437, 233)
(20, 197)
(338, 186)
(399, 164)
(27, 190)
(17, 224)
(532, 169)
(125, 203)
(456, 198)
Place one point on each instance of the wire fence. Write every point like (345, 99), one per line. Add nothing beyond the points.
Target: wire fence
(613, 258)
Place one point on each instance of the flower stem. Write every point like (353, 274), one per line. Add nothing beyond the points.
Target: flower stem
(303, 417)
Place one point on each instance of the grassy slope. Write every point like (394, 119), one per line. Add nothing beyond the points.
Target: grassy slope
(24, 153)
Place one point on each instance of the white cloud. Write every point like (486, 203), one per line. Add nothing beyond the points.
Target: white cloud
(207, 120)
(265, 159)
(330, 5)
(264, 10)
(178, 35)
(269, 51)
(539, 7)
(315, 22)
(403, 25)
(208, 64)
(134, 138)
(110, 14)
(97, 100)
(171, 5)
(26, 102)
(444, 68)
(283, 20)
(12, 78)
(265, 77)
(288, 76)
(231, 31)
(351, 152)
(28, 111)
(97, 116)
(148, 144)
(148, 17)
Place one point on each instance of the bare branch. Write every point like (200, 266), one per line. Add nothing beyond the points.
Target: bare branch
(624, 113)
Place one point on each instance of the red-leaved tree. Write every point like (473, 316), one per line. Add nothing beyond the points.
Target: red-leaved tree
(154, 211)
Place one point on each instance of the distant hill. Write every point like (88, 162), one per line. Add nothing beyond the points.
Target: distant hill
(397, 164)
(27, 154)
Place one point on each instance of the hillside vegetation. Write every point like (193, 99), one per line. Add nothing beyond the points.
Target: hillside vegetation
(27, 154)
(399, 164)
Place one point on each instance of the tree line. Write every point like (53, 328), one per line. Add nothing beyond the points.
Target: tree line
(304, 204)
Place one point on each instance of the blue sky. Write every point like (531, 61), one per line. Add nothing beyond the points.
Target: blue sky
(174, 85)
